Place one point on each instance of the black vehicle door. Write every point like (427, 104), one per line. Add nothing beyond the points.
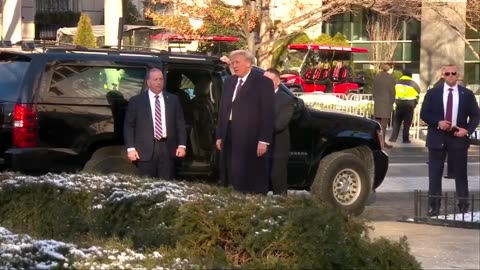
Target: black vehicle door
(196, 86)
(82, 105)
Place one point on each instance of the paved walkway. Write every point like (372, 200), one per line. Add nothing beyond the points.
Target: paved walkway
(435, 247)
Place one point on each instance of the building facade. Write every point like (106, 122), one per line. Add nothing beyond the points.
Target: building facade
(424, 46)
(18, 16)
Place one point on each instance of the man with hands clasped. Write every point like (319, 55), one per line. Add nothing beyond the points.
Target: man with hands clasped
(451, 113)
(154, 130)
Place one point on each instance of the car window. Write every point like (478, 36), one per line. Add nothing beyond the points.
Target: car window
(73, 81)
(187, 86)
(12, 75)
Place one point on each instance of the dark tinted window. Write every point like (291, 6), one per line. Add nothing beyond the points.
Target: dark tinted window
(95, 82)
(12, 74)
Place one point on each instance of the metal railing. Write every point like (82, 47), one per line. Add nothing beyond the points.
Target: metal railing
(448, 215)
(362, 105)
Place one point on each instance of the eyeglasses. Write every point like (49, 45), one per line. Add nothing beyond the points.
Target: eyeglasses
(450, 73)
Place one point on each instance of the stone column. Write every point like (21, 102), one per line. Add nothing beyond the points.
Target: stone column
(440, 43)
(28, 22)
(113, 11)
(12, 20)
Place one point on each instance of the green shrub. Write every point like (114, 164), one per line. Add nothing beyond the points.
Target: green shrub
(84, 35)
(281, 46)
(180, 225)
(323, 39)
(340, 39)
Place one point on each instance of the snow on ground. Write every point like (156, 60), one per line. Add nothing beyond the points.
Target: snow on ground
(21, 251)
(116, 187)
(467, 217)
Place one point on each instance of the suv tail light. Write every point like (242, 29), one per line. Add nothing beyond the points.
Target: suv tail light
(24, 126)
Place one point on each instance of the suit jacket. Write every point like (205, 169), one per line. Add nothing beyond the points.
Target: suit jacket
(433, 111)
(284, 107)
(138, 128)
(383, 95)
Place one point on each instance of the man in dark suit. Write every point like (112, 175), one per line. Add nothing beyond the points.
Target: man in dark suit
(451, 113)
(154, 130)
(384, 97)
(280, 148)
(440, 83)
(245, 126)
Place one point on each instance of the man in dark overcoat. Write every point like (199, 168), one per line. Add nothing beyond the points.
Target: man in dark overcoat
(280, 150)
(245, 126)
(384, 97)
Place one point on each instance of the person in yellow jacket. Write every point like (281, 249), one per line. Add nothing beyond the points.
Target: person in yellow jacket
(406, 99)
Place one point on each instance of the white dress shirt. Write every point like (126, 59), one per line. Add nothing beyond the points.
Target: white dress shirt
(151, 98)
(454, 103)
(244, 78)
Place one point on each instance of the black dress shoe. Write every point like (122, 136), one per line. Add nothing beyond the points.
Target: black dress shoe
(449, 176)
(387, 145)
(407, 141)
(432, 212)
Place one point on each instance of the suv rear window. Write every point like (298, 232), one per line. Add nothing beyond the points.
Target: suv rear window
(73, 81)
(12, 75)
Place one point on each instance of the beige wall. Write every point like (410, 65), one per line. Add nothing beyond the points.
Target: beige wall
(440, 44)
(285, 10)
(94, 8)
(28, 14)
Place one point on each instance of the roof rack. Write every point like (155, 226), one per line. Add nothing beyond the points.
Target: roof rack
(45, 46)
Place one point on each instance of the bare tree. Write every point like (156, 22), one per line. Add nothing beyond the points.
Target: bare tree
(383, 30)
(253, 20)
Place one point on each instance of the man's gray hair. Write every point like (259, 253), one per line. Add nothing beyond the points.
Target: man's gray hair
(247, 54)
(150, 71)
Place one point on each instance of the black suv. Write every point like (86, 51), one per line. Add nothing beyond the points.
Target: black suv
(63, 110)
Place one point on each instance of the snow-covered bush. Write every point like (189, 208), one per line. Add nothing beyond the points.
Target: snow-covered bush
(121, 221)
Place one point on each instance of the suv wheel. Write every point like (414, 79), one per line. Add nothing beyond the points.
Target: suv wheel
(111, 159)
(343, 180)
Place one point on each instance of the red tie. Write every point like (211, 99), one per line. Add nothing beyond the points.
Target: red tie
(158, 134)
(448, 113)
(240, 84)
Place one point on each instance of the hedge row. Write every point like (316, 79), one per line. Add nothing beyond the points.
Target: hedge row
(187, 225)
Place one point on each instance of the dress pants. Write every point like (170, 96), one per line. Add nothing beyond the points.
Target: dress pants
(227, 156)
(403, 113)
(161, 165)
(384, 123)
(278, 174)
(436, 160)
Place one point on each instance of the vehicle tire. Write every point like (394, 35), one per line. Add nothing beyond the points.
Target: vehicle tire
(343, 180)
(110, 159)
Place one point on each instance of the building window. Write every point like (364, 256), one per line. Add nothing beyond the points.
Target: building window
(57, 5)
(472, 76)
